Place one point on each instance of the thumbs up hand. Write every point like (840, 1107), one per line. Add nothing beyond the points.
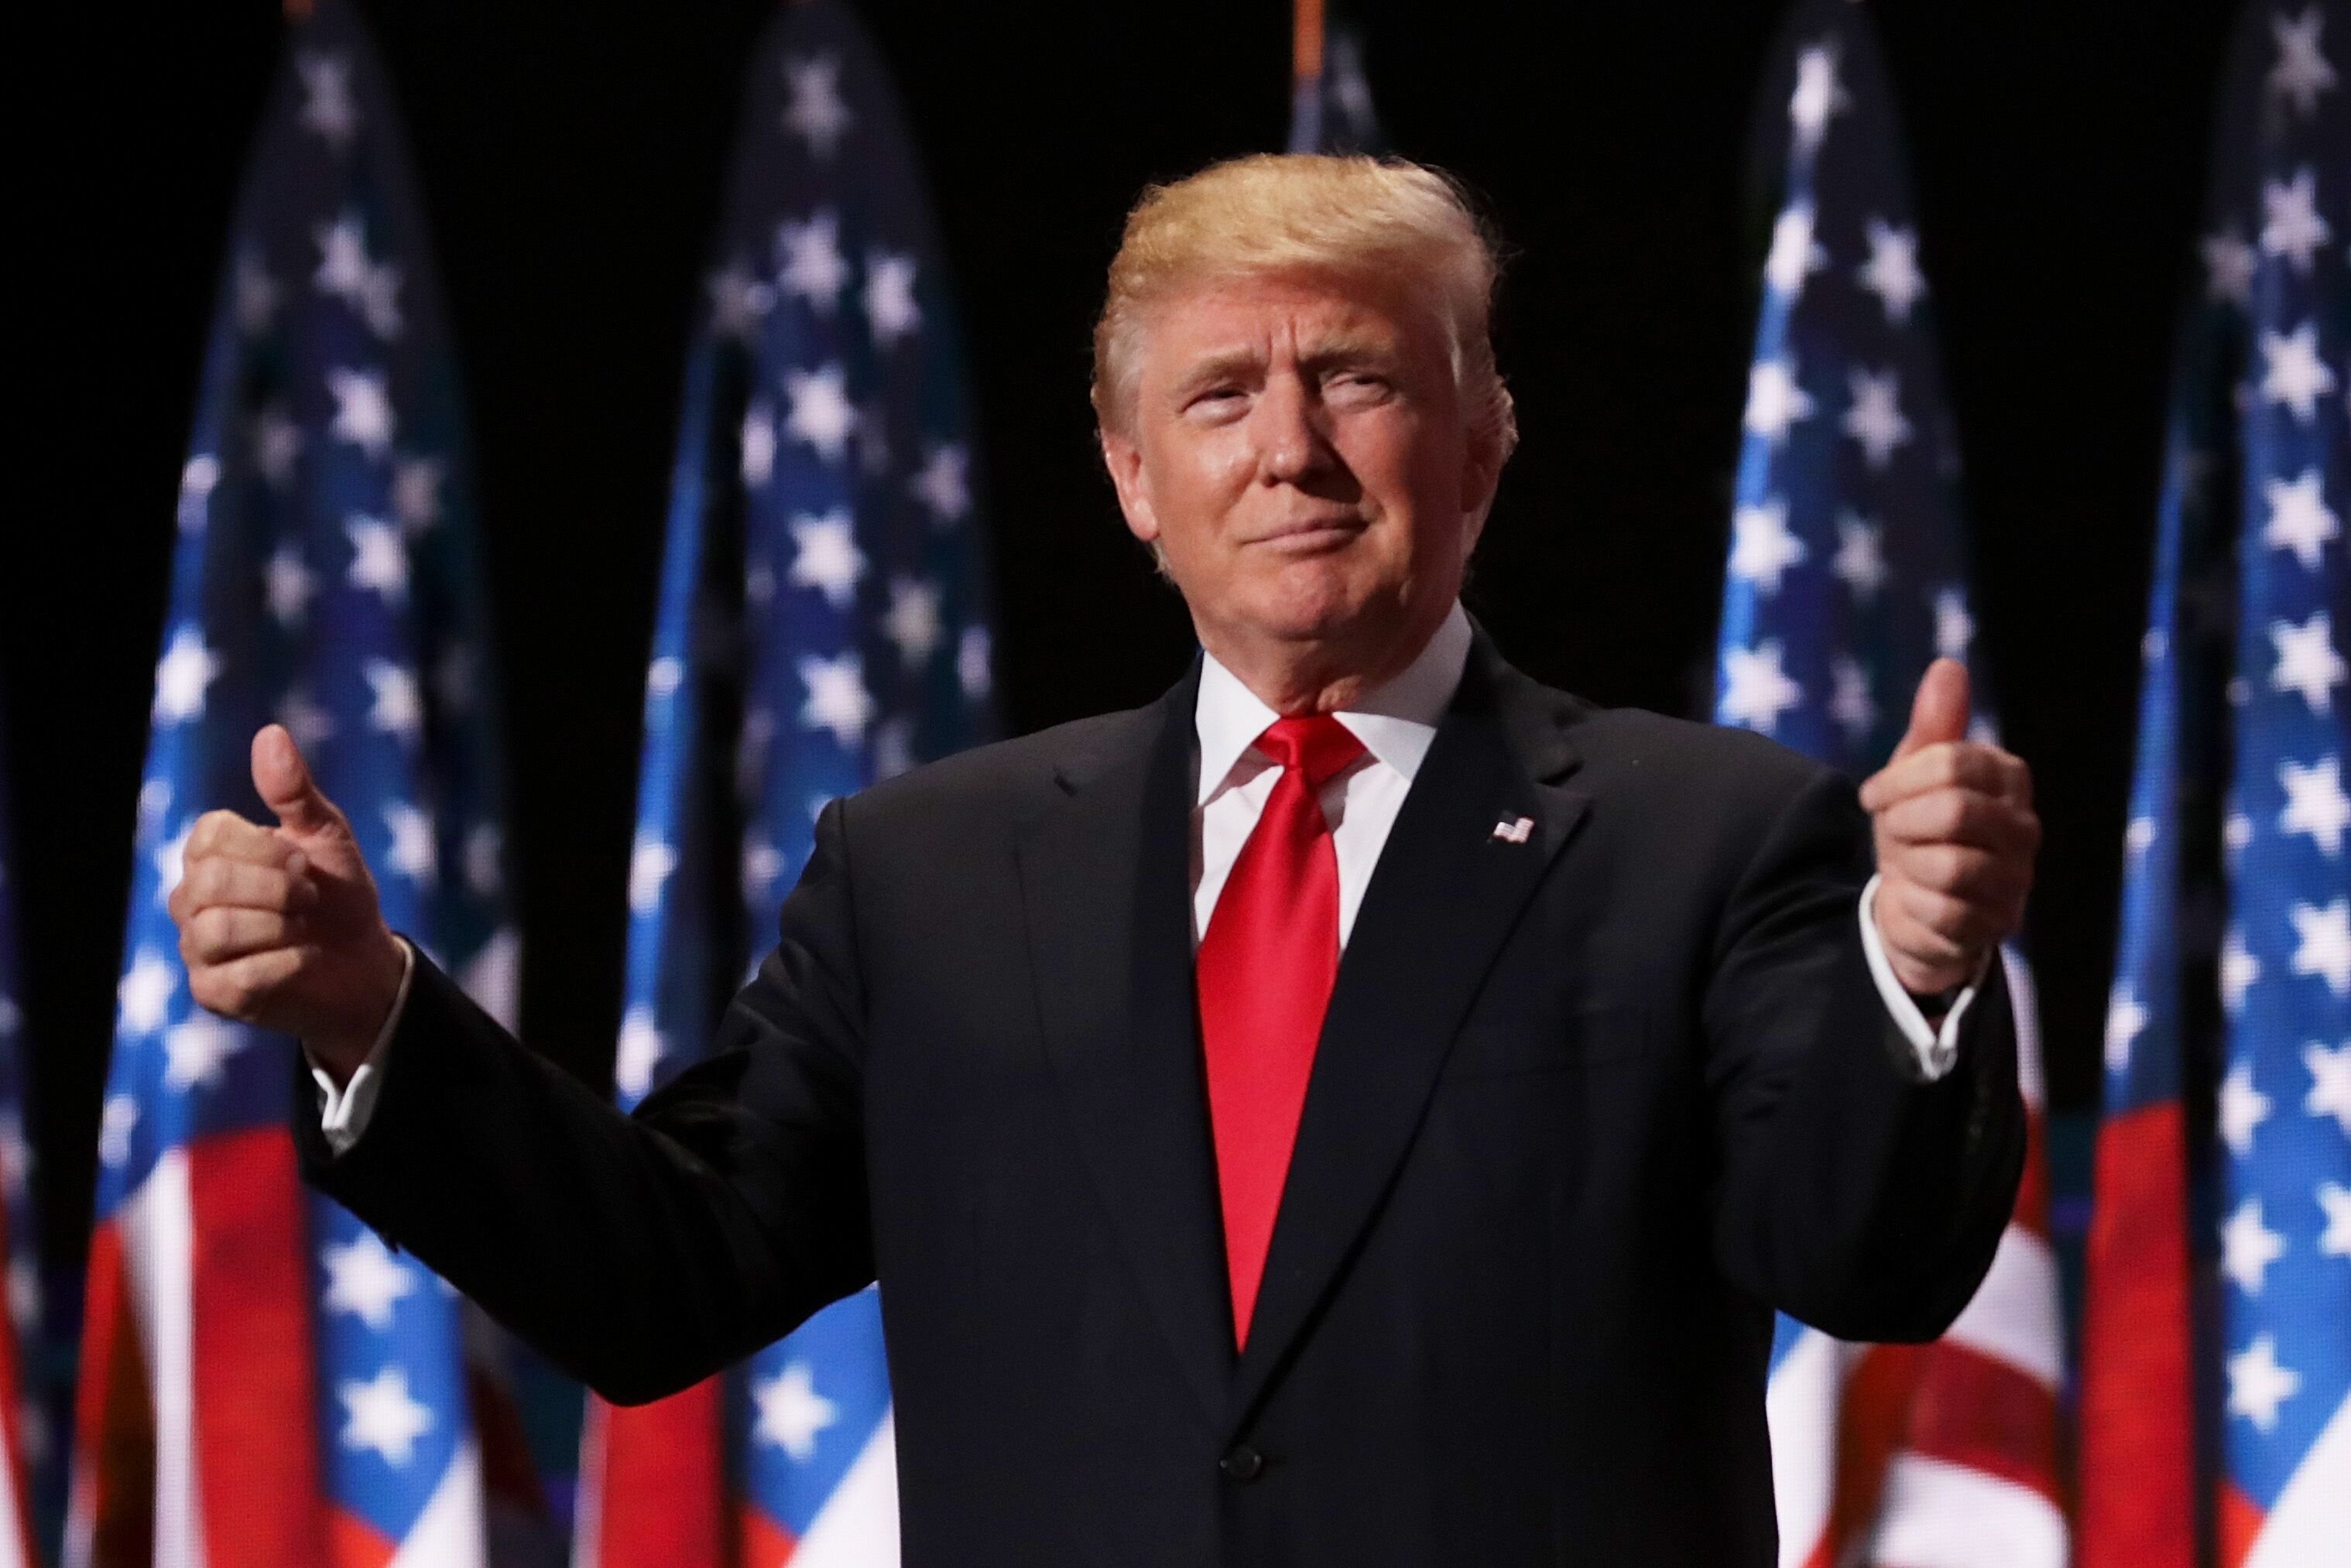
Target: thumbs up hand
(280, 926)
(1956, 835)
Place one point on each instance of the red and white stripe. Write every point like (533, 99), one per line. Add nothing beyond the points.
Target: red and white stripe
(1940, 1455)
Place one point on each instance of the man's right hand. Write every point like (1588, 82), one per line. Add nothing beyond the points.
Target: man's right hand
(279, 927)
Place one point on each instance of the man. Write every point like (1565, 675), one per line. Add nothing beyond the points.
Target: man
(1362, 1108)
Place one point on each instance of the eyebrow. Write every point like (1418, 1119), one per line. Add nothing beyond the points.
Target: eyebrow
(1340, 349)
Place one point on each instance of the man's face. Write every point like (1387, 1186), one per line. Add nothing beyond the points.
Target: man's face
(1298, 451)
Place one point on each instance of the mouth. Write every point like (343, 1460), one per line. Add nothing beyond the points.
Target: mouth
(1304, 536)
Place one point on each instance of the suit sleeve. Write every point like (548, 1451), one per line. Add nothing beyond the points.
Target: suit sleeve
(641, 1253)
(1853, 1193)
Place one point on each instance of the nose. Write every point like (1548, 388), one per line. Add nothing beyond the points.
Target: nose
(1293, 445)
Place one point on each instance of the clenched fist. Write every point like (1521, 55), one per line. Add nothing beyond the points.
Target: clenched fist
(1956, 835)
(280, 926)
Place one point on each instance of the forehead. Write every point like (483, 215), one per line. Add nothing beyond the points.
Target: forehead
(1259, 314)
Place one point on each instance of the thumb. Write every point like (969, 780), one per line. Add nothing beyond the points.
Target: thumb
(1939, 711)
(286, 786)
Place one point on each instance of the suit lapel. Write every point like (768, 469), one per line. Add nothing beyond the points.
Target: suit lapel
(1106, 887)
(1445, 894)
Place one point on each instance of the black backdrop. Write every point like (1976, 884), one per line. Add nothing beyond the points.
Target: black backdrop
(570, 154)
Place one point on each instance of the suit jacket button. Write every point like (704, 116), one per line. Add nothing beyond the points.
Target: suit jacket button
(1244, 1464)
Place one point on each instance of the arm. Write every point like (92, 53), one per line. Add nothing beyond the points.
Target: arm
(1854, 1193)
(641, 1253)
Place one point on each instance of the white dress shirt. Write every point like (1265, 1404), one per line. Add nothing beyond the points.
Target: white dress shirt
(1396, 721)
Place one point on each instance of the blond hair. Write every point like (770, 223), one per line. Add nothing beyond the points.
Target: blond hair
(1303, 212)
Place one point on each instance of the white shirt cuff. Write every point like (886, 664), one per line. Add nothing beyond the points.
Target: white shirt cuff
(1937, 1049)
(344, 1113)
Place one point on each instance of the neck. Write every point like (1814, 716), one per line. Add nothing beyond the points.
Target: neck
(1325, 674)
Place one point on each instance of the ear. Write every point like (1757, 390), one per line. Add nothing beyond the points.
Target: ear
(1123, 458)
(1482, 471)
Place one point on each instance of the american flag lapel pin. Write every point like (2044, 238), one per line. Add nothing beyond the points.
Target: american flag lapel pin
(1515, 830)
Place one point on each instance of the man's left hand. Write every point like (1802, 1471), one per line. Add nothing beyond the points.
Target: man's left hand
(1956, 835)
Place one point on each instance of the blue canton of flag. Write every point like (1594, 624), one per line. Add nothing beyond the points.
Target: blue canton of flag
(2234, 961)
(822, 624)
(1849, 576)
(308, 1385)
(30, 1426)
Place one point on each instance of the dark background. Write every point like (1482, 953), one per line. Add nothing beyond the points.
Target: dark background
(570, 155)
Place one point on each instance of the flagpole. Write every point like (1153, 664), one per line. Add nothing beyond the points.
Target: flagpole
(1305, 40)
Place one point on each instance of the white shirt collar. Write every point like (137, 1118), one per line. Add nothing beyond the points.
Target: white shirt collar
(1395, 720)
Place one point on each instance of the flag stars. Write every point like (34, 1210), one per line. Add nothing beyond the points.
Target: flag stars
(412, 853)
(381, 1416)
(277, 446)
(2330, 1082)
(197, 479)
(815, 111)
(304, 720)
(2241, 1109)
(758, 443)
(2258, 1384)
(328, 109)
(738, 301)
(1892, 270)
(913, 622)
(2291, 225)
(638, 1052)
(2228, 267)
(2323, 943)
(2307, 663)
(2335, 1201)
(762, 864)
(347, 273)
(651, 861)
(1875, 419)
(890, 305)
(821, 414)
(2301, 73)
(943, 483)
(791, 1413)
(143, 996)
(1819, 95)
(974, 663)
(183, 676)
(1794, 254)
(1850, 702)
(1860, 560)
(362, 411)
(365, 1280)
(398, 709)
(116, 1124)
(195, 1051)
(809, 264)
(379, 558)
(1762, 549)
(2293, 373)
(2238, 970)
(1756, 690)
(1775, 402)
(2315, 803)
(837, 698)
(825, 557)
(2300, 518)
(2138, 837)
(2248, 1247)
(2126, 1020)
(1955, 628)
(416, 494)
(288, 583)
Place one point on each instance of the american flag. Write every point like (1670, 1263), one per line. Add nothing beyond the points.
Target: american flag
(264, 1383)
(2219, 1315)
(1848, 576)
(822, 623)
(20, 1416)
(1329, 97)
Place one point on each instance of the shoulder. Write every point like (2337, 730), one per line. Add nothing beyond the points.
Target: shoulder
(1004, 780)
(1639, 746)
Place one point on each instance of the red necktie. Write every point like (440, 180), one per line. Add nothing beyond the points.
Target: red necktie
(1265, 969)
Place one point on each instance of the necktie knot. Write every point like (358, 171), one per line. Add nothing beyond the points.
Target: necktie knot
(1316, 743)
